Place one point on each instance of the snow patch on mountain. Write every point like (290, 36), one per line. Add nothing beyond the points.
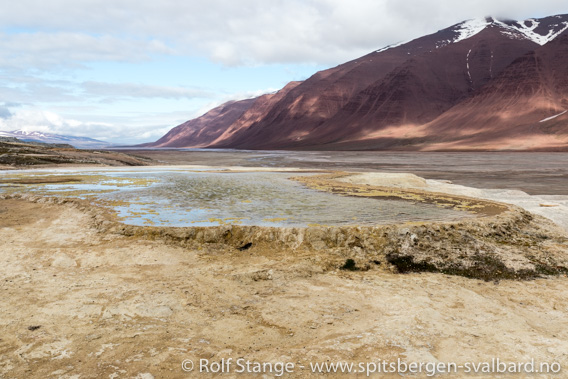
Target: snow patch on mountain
(467, 66)
(552, 117)
(465, 30)
(469, 28)
(513, 29)
(391, 46)
(527, 29)
(29, 134)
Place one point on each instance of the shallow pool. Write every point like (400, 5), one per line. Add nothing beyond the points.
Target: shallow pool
(149, 196)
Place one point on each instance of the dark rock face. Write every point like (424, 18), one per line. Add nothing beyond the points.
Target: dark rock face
(481, 84)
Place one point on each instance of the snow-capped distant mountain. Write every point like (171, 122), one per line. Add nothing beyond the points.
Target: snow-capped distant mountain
(78, 142)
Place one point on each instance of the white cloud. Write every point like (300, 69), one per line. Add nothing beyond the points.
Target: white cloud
(35, 119)
(135, 90)
(5, 112)
(47, 49)
(29, 89)
(247, 31)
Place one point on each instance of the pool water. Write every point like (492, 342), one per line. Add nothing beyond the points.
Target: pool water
(208, 198)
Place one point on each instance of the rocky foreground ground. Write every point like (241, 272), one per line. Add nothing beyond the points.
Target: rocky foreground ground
(84, 297)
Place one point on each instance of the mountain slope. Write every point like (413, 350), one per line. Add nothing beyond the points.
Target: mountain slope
(202, 131)
(423, 88)
(397, 97)
(320, 97)
(257, 112)
(524, 108)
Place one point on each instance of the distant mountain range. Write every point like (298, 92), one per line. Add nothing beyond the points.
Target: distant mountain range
(78, 142)
(484, 84)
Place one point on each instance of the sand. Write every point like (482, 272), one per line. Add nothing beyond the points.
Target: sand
(77, 303)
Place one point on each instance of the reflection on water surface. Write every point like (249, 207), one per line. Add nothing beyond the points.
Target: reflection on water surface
(205, 198)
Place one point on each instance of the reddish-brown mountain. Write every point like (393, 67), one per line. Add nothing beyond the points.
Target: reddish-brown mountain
(449, 90)
(201, 131)
(525, 108)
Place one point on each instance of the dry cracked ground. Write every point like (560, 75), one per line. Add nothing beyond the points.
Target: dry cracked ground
(77, 303)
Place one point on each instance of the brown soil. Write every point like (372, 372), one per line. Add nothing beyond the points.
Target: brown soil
(23, 155)
(80, 301)
(42, 180)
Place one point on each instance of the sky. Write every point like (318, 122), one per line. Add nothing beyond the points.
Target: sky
(127, 71)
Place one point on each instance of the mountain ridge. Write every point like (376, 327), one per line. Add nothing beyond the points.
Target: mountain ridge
(392, 98)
